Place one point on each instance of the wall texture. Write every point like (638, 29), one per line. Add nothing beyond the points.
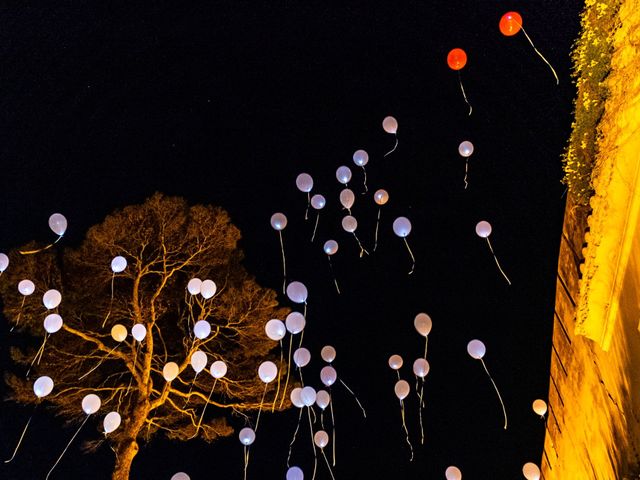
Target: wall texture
(593, 424)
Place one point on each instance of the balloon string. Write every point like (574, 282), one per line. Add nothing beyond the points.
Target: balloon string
(466, 172)
(315, 463)
(306, 212)
(421, 407)
(322, 419)
(327, 462)
(24, 297)
(311, 430)
(30, 252)
(113, 276)
(313, 236)
(284, 265)
(413, 259)
(364, 414)
(541, 56)
(295, 434)
(23, 434)
(246, 461)
(404, 426)
(301, 379)
(398, 373)
(67, 447)
(366, 189)
(286, 383)
(504, 411)
(394, 147)
(37, 355)
(135, 361)
(426, 344)
(498, 263)
(189, 392)
(464, 95)
(335, 281)
(333, 431)
(273, 407)
(204, 409)
(375, 237)
(99, 363)
(362, 249)
(260, 408)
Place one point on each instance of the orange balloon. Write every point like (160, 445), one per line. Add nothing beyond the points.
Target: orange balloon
(456, 59)
(510, 23)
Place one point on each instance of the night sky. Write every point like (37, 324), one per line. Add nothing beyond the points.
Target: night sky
(103, 103)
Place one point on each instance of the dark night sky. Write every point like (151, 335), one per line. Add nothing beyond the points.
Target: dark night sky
(103, 103)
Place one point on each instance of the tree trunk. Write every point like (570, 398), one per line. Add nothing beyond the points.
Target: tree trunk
(125, 452)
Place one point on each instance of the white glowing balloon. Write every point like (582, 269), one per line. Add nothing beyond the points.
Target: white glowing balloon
(58, 224)
(295, 473)
(330, 247)
(118, 264)
(170, 371)
(296, 397)
(347, 198)
(483, 229)
(395, 362)
(91, 404)
(401, 389)
(360, 158)
(202, 329)
(321, 439)
(540, 407)
(402, 226)
(295, 322)
(267, 371)
(208, 289)
(51, 299)
(328, 353)
(323, 399)
(278, 221)
(476, 349)
(343, 174)
(318, 202)
(180, 476)
(194, 286)
(422, 323)
(301, 357)
(453, 473)
(328, 375)
(531, 471)
(198, 360)
(465, 149)
(390, 125)
(247, 436)
(4, 262)
(42, 386)
(111, 422)
(349, 224)
(297, 292)
(308, 396)
(275, 329)
(420, 367)
(53, 323)
(26, 287)
(381, 197)
(218, 369)
(139, 332)
(304, 182)
(118, 332)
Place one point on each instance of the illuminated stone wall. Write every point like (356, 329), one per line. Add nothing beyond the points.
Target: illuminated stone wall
(594, 393)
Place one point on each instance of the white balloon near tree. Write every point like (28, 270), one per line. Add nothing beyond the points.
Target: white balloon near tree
(275, 329)
(304, 183)
(51, 299)
(540, 407)
(246, 436)
(111, 422)
(477, 350)
(483, 230)
(4, 262)
(531, 471)
(297, 292)
(208, 289)
(279, 223)
(58, 225)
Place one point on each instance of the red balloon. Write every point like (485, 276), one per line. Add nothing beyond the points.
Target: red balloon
(510, 23)
(456, 59)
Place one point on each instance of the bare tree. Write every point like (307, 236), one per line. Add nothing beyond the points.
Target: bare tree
(166, 243)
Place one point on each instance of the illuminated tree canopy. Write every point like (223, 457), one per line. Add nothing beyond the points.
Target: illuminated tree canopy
(166, 243)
